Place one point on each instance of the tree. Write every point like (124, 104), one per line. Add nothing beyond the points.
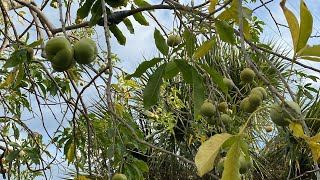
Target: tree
(179, 114)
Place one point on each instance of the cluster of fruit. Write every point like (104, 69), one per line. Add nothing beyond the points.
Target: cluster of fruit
(245, 164)
(63, 56)
(254, 100)
(174, 40)
(209, 110)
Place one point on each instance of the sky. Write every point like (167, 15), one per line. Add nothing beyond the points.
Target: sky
(141, 45)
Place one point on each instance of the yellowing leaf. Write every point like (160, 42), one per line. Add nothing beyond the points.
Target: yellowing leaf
(212, 6)
(208, 152)
(293, 25)
(190, 140)
(81, 178)
(306, 22)
(119, 109)
(203, 49)
(314, 145)
(10, 78)
(310, 51)
(297, 130)
(232, 164)
(203, 139)
(71, 155)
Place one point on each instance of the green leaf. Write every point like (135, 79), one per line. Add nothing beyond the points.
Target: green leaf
(316, 59)
(151, 92)
(190, 41)
(10, 79)
(16, 58)
(142, 68)
(225, 32)
(293, 25)
(232, 164)
(185, 69)
(20, 76)
(212, 6)
(14, 144)
(12, 155)
(160, 42)
(140, 18)
(35, 43)
(16, 132)
(171, 70)
(129, 25)
(96, 12)
(216, 77)
(84, 10)
(208, 152)
(118, 34)
(141, 165)
(203, 49)
(306, 22)
(141, 3)
(198, 91)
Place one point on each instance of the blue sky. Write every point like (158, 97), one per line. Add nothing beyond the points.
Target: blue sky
(141, 44)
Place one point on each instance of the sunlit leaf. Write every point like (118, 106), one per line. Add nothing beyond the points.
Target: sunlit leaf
(306, 22)
(81, 178)
(151, 92)
(10, 79)
(212, 6)
(203, 49)
(232, 164)
(314, 145)
(225, 32)
(208, 152)
(297, 130)
(71, 153)
(293, 25)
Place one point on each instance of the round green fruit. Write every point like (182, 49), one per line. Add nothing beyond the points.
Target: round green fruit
(278, 115)
(85, 51)
(247, 75)
(222, 107)
(262, 91)
(81, 83)
(255, 99)
(119, 177)
(174, 40)
(246, 106)
(211, 120)
(63, 68)
(208, 109)
(245, 164)
(225, 118)
(59, 52)
(228, 82)
(268, 128)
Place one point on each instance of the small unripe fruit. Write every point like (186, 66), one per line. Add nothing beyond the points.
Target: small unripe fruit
(223, 106)
(247, 75)
(119, 177)
(81, 83)
(225, 118)
(262, 90)
(59, 52)
(246, 106)
(228, 82)
(68, 81)
(245, 164)
(22, 153)
(268, 128)
(85, 51)
(278, 115)
(255, 99)
(208, 109)
(174, 40)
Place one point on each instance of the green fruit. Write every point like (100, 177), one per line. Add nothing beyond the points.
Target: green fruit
(247, 75)
(81, 83)
(119, 177)
(63, 68)
(220, 165)
(211, 120)
(225, 118)
(268, 128)
(279, 116)
(208, 109)
(59, 52)
(256, 91)
(262, 90)
(228, 82)
(245, 164)
(246, 106)
(255, 99)
(174, 40)
(222, 107)
(85, 51)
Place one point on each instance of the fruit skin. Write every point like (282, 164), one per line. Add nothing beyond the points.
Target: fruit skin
(228, 82)
(268, 128)
(81, 83)
(59, 52)
(246, 106)
(208, 109)
(279, 116)
(174, 40)
(262, 90)
(255, 99)
(245, 164)
(85, 51)
(247, 75)
(63, 68)
(222, 107)
(119, 177)
(225, 118)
